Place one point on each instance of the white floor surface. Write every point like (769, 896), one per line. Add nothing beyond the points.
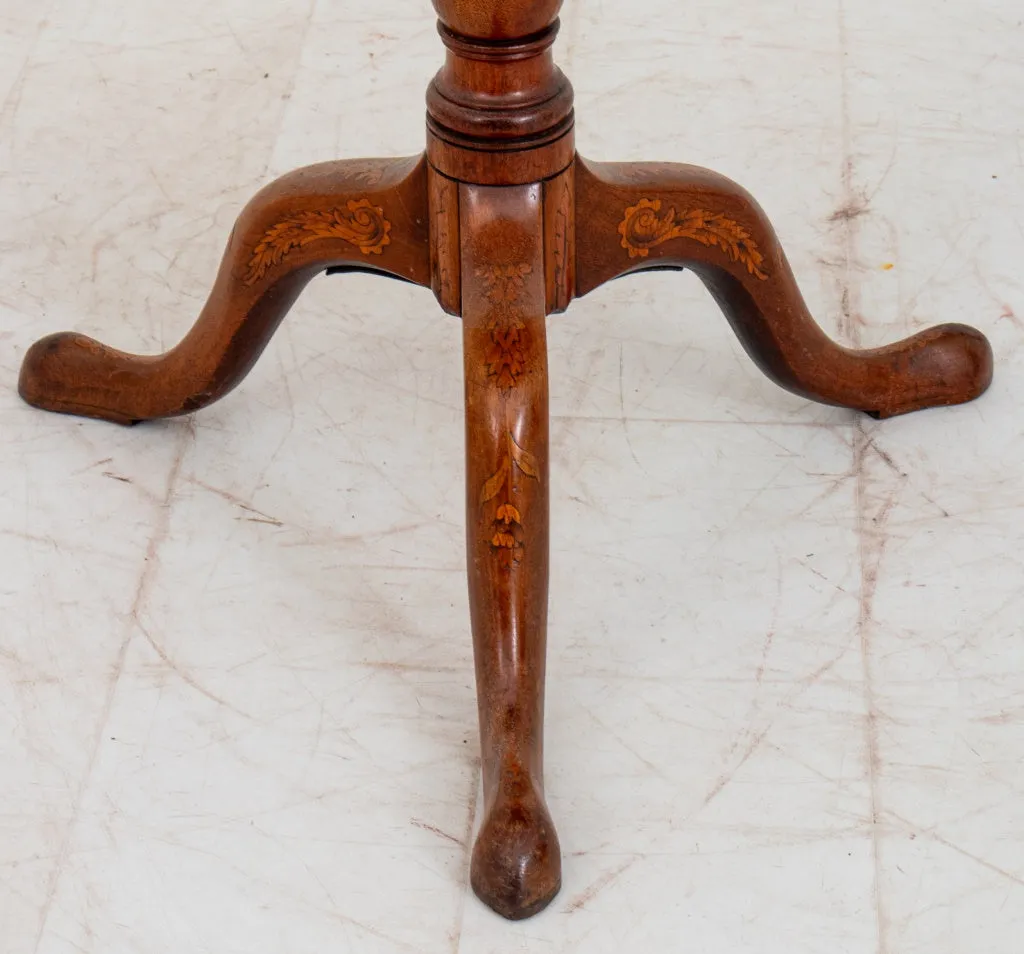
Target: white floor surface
(786, 681)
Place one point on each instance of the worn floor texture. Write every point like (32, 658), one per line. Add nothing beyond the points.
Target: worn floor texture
(786, 688)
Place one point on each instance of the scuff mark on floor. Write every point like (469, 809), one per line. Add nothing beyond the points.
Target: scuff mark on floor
(608, 878)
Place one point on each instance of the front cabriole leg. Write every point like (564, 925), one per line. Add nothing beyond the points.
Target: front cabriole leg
(516, 866)
(352, 214)
(644, 215)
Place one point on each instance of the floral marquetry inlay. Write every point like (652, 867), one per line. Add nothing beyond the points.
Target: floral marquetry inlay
(646, 226)
(506, 356)
(361, 224)
(507, 529)
(505, 360)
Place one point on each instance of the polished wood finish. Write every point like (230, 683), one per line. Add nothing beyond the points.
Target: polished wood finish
(560, 239)
(445, 248)
(516, 863)
(507, 225)
(661, 215)
(500, 113)
(356, 214)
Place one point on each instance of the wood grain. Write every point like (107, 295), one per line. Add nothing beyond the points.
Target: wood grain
(560, 239)
(264, 269)
(445, 258)
(699, 220)
(516, 866)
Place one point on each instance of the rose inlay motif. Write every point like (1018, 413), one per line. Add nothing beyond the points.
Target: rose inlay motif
(646, 226)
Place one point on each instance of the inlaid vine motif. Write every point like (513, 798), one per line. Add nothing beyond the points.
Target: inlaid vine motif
(505, 362)
(646, 226)
(361, 224)
(507, 527)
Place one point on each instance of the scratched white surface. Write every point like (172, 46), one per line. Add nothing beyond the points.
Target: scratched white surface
(786, 690)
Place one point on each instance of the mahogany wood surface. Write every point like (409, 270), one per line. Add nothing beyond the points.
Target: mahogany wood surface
(507, 225)
(641, 215)
(370, 214)
(516, 864)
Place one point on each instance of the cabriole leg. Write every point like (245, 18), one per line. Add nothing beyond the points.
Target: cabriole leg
(642, 215)
(516, 867)
(354, 214)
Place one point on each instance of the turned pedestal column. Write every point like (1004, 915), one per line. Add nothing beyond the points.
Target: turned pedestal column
(507, 225)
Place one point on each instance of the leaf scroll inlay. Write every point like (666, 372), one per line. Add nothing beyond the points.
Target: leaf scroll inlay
(507, 527)
(505, 362)
(646, 226)
(361, 224)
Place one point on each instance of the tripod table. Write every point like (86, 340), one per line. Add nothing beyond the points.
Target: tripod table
(507, 224)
